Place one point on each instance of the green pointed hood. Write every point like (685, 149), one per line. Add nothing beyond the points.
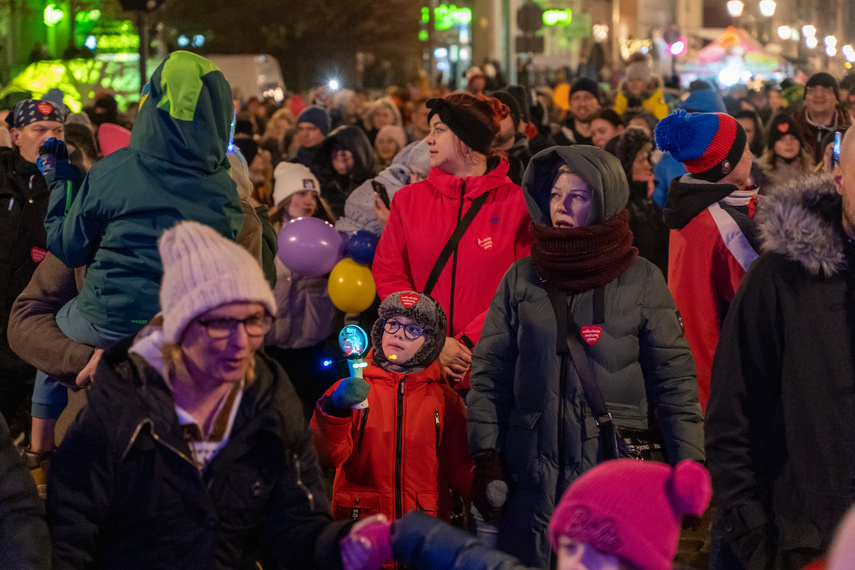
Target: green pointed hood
(185, 116)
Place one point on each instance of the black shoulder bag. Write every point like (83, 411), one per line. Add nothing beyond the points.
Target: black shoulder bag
(615, 442)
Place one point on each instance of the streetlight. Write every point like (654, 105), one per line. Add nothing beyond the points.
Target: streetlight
(735, 7)
(767, 8)
(830, 41)
(784, 32)
(808, 31)
(849, 52)
(830, 51)
(811, 42)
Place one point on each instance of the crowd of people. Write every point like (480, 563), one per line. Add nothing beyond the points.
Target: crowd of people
(596, 311)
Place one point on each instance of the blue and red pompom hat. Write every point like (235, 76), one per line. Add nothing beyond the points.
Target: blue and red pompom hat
(709, 145)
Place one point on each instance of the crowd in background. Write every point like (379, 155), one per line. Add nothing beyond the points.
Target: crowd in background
(675, 247)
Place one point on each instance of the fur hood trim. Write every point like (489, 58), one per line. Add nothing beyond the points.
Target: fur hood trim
(801, 220)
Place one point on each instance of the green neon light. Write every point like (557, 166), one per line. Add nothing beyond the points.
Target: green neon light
(80, 79)
(425, 15)
(88, 16)
(423, 36)
(448, 15)
(557, 17)
(53, 15)
(118, 43)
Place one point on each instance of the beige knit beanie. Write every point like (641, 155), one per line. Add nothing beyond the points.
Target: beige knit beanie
(203, 270)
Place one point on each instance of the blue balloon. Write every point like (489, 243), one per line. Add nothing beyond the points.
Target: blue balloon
(361, 247)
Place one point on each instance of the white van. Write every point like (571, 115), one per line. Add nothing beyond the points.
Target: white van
(252, 75)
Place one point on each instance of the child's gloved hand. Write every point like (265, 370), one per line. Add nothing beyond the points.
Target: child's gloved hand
(53, 152)
(489, 489)
(54, 163)
(368, 545)
(350, 392)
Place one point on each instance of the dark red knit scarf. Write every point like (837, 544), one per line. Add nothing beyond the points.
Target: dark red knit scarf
(578, 259)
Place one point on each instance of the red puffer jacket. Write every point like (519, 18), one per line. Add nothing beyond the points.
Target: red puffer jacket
(406, 451)
(423, 217)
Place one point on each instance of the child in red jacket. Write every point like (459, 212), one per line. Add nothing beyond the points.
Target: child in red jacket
(408, 449)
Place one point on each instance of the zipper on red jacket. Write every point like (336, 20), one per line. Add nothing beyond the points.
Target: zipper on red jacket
(399, 447)
(454, 262)
(436, 422)
(363, 419)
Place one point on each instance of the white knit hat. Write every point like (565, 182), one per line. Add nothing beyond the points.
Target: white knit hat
(291, 177)
(203, 270)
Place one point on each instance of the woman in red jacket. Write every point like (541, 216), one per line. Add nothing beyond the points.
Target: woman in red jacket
(465, 173)
(407, 449)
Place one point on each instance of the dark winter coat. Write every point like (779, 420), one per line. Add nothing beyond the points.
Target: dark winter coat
(518, 157)
(518, 404)
(23, 204)
(335, 188)
(781, 415)
(124, 492)
(24, 539)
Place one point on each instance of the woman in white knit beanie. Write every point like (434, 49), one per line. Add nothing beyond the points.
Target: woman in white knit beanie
(193, 451)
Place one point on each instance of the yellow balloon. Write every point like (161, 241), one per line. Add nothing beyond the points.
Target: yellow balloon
(351, 286)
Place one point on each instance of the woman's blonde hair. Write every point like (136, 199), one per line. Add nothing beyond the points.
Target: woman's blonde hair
(387, 102)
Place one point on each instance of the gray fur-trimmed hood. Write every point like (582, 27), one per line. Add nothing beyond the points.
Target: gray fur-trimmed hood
(801, 220)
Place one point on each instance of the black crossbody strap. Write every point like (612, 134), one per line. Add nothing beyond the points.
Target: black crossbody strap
(569, 343)
(452, 242)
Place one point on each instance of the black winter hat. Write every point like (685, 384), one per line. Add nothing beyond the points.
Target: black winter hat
(586, 84)
(523, 97)
(425, 312)
(512, 103)
(781, 126)
(825, 80)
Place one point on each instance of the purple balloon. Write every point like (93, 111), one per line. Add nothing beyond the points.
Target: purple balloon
(309, 246)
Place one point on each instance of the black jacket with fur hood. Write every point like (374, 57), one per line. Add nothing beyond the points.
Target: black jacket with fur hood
(780, 426)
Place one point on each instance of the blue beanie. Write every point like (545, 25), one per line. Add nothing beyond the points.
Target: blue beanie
(318, 116)
(704, 101)
(709, 145)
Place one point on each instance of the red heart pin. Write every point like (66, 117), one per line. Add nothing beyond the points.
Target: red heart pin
(45, 108)
(784, 127)
(591, 334)
(37, 254)
(409, 299)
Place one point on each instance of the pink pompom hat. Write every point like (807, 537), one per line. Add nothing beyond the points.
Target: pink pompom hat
(632, 509)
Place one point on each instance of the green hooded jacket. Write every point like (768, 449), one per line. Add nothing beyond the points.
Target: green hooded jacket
(174, 169)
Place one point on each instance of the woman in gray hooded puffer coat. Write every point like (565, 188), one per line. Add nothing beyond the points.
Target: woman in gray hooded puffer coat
(525, 422)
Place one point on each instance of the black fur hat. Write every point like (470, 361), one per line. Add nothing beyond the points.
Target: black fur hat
(426, 313)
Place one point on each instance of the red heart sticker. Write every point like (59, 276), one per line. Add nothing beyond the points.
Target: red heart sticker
(409, 299)
(38, 254)
(45, 108)
(591, 334)
(784, 127)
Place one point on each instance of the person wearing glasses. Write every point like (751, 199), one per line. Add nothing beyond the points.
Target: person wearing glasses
(408, 447)
(821, 113)
(192, 451)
